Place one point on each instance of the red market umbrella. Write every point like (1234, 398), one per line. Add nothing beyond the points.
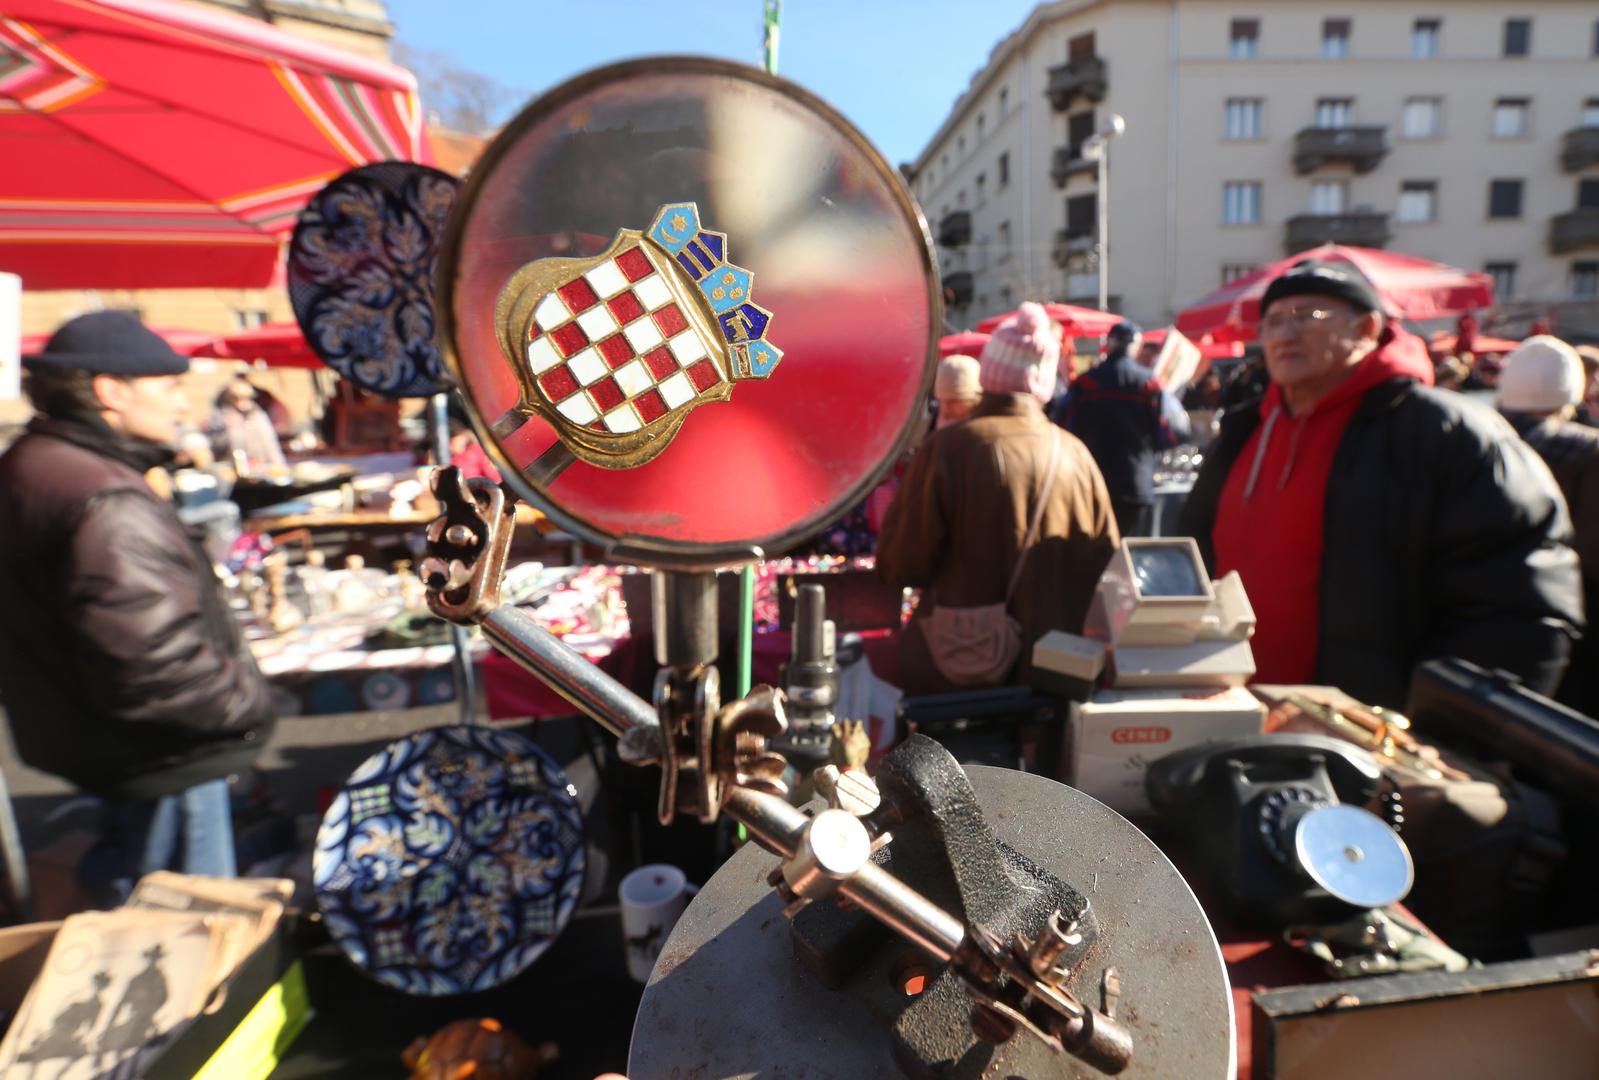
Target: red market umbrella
(1443, 341)
(965, 343)
(1410, 287)
(155, 145)
(1208, 348)
(1074, 321)
(183, 342)
(276, 344)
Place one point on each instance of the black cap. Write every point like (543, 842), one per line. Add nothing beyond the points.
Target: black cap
(109, 343)
(1317, 278)
(1125, 330)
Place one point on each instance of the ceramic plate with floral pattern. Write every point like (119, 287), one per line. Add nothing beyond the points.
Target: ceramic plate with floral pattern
(360, 276)
(450, 860)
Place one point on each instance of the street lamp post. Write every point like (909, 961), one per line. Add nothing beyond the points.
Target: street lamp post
(1097, 148)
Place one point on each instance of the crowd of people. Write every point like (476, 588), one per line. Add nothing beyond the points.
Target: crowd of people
(1376, 520)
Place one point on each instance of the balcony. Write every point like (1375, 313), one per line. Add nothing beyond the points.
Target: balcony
(956, 229)
(1067, 161)
(1362, 147)
(958, 288)
(1573, 230)
(1579, 148)
(1070, 245)
(1083, 75)
(1365, 229)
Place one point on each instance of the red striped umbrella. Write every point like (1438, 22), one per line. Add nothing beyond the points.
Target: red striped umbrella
(151, 144)
(1074, 321)
(1410, 287)
(277, 344)
(965, 343)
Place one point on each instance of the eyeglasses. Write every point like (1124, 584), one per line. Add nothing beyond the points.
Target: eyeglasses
(1278, 321)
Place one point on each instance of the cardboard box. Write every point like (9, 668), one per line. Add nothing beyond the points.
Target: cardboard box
(1066, 665)
(1114, 737)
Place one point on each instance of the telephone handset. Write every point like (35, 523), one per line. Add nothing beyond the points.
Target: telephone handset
(1281, 826)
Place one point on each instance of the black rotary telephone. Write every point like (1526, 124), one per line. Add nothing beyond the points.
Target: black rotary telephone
(1280, 824)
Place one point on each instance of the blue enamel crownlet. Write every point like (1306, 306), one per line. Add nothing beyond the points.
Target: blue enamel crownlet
(728, 288)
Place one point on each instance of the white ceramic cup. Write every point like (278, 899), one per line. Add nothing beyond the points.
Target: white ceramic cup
(653, 898)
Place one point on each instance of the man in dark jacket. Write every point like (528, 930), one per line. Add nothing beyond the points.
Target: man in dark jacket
(121, 668)
(1542, 383)
(1375, 522)
(1125, 418)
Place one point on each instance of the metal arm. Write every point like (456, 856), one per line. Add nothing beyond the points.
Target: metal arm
(714, 759)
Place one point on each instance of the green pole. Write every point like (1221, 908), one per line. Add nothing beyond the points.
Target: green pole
(771, 21)
(772, 18)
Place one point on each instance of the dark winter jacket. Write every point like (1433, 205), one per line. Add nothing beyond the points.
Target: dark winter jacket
(121, 668)
(1125, 418)
(1444, 535)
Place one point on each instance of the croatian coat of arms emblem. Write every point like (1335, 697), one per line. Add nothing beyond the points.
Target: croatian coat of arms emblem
(615, 351)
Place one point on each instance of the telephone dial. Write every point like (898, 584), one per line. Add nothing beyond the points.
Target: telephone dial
(1282, 826)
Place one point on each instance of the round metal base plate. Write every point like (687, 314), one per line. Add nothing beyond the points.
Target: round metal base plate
(728, 999)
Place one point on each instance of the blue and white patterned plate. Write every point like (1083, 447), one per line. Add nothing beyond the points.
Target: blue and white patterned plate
(450, 860)
(360, 275)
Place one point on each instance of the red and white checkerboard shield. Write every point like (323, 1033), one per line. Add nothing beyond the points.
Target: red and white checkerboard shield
(612, 350)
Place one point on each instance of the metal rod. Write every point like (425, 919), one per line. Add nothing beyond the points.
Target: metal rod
(684, 606)
(567, 671)
(778, 825)
(461, 661)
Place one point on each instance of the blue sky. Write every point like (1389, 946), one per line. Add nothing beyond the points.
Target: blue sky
(894, 67)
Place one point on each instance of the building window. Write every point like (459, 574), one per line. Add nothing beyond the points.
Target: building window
(1511, 118)
(1518, 37)
(1080, 47)
(1004, 239)
(943, 162)
(1240, 202)
(960, 197)
(1424, 38)
(982, 188)
(1002, 169)
(1504, 276)
(982, 121)
(1231, 272)
(1590, 113)
(1334, 112)
(1588, 194)
(960, 145)
(1585, 280)
(1418, 201)
(1329, 197)
(1504, 198)
(1007, 299)
(1004, 100)
(1334, 39)
(1422, 118)
(1243, 44)
(1079, 126)
(1081, 215)
(1243, 118)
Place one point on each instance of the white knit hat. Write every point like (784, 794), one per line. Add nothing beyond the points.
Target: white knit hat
(957, 379)
(1021, 355)
(1543, 375)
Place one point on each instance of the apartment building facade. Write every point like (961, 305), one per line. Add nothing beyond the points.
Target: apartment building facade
(1461, 130)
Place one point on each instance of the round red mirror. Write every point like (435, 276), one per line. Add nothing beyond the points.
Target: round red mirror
(693, 312)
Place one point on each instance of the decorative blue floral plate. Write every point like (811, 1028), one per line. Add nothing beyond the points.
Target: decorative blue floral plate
(450, 860)
(360, 276)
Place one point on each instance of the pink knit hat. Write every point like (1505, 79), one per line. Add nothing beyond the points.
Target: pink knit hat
(1021, 355)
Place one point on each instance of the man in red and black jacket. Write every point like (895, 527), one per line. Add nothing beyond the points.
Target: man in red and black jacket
(1377, 522)
(1125, 418)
